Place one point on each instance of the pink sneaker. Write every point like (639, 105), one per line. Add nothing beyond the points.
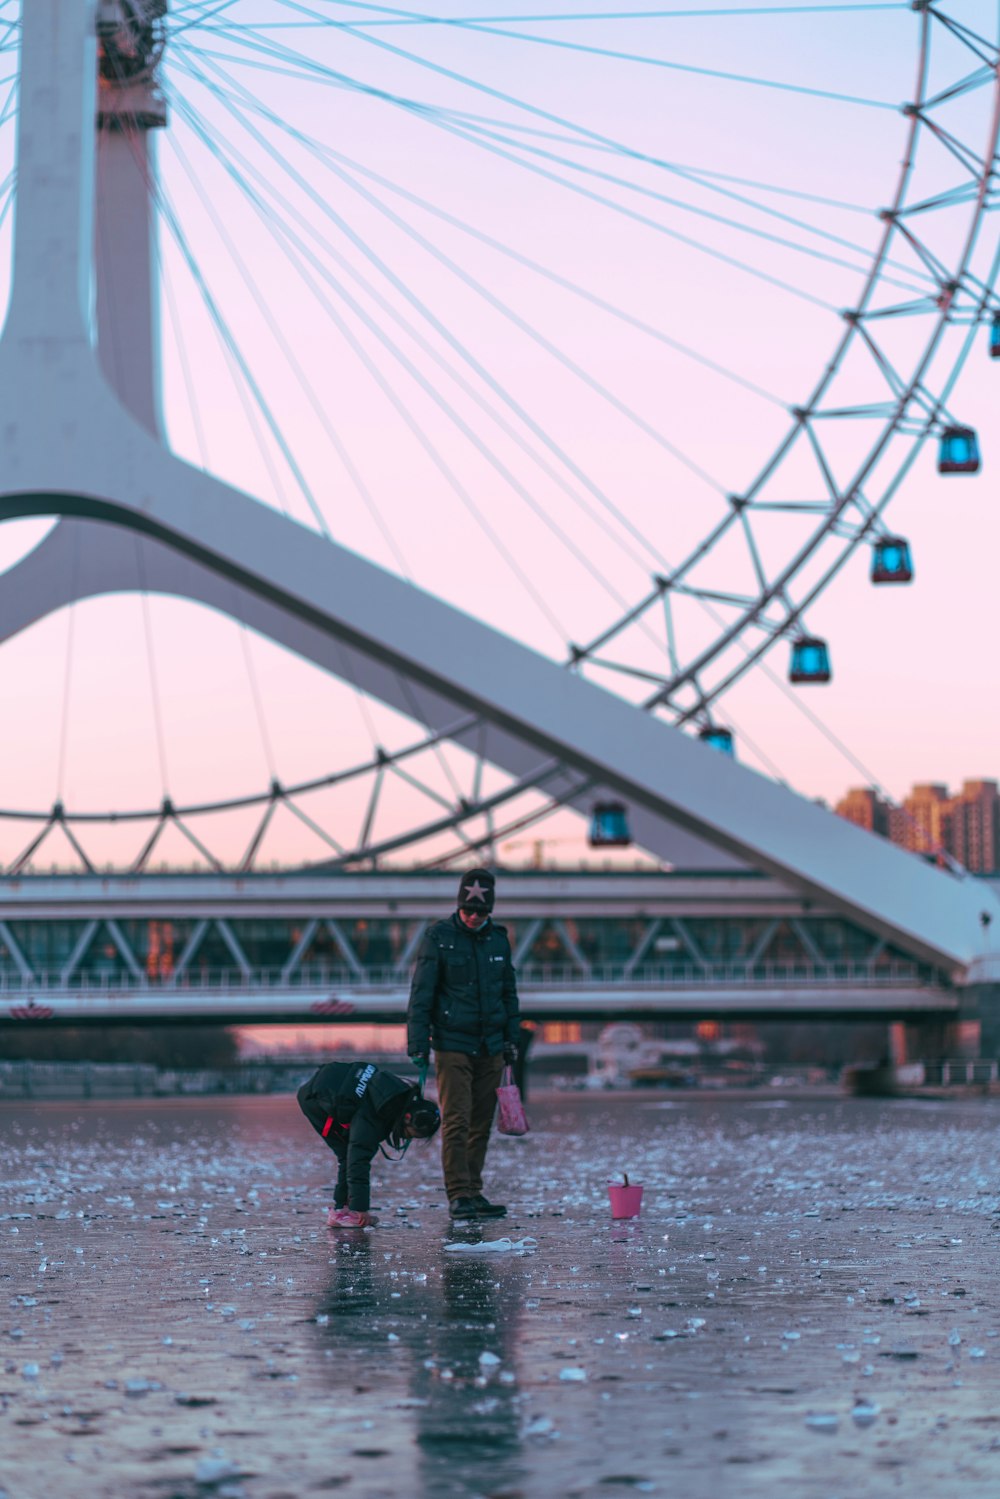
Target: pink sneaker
(345, 1218)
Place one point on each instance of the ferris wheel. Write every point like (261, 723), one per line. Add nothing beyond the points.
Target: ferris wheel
(512, 306)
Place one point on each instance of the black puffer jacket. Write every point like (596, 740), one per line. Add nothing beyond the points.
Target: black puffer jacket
(354, 1106)
(464, 993)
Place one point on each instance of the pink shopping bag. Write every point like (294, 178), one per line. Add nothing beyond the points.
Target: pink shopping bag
(513, 1120)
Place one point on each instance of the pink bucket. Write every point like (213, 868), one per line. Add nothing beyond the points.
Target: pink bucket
(626, 1200)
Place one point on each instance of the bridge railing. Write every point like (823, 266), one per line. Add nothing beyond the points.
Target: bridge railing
(604, 976)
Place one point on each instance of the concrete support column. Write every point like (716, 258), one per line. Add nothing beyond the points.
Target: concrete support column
(927, 1040)
(984, 1004)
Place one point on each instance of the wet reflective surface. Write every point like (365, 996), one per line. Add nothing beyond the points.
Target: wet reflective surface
(808, 1304)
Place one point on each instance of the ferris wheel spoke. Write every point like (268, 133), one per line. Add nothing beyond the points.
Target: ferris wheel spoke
(441, 120)
(477, 368)
(716, 74)
(709, 181)
(586, 136)
(559, 280)
(741, 227)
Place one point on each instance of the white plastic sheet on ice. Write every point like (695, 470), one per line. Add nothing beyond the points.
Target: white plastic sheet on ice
(495, 1246)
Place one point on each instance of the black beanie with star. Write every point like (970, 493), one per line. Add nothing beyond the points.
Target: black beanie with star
(475, 893)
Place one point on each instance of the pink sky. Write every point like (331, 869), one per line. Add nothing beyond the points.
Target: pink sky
(912, 693)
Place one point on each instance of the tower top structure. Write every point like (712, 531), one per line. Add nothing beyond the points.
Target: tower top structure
(131, 38)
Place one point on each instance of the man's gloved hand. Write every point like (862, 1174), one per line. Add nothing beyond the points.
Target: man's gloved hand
(419, 1058)
(510, 1052)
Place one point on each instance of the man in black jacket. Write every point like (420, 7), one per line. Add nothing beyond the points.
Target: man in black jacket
(463, 1002)
(355, 1108)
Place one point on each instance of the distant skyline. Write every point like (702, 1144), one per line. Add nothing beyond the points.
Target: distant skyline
(962, 825)
(116, 701)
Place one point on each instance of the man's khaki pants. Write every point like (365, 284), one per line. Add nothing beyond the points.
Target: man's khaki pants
(467, 1093)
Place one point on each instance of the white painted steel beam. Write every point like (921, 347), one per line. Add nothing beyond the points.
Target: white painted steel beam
(71, 449)
(421, 895)
(305, 1006)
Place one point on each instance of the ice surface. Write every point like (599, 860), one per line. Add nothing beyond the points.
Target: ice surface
(180, 1292)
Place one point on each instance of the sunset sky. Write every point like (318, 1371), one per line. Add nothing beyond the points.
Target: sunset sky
(422, 329)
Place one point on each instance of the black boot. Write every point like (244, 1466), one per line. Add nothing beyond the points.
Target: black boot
(464, 1207)
(487, 1209)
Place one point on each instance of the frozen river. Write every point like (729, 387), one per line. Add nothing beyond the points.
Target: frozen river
(809, 1306)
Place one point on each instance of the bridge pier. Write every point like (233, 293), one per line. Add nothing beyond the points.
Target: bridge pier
(988, 1005)
(981, 1001)
(937, 1037)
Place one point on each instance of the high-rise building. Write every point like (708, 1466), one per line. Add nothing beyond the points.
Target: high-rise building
(932, 821)
(923, 822)
(975, 827)
(866, 809)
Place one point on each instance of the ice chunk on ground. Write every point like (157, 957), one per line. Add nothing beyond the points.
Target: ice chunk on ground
(823, 1421)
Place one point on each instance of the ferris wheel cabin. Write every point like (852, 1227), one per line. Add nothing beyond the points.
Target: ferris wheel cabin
(995, 336)
(609, 826)
(892, 561)
(959, 451)
(718, 739)
(810, 660)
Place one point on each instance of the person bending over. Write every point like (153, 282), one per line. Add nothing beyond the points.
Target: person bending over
(356, 1107)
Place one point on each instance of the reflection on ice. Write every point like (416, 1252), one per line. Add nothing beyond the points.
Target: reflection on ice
(168, 1270)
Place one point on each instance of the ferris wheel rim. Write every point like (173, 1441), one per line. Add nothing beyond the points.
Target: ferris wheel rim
(689, 674)
(927, 18)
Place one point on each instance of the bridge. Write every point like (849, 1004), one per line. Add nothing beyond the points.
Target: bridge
(338, 948)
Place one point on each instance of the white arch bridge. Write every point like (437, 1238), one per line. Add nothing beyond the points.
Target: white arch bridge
(339, 948)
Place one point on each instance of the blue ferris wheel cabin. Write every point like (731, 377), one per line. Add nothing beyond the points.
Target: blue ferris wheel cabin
(959, 451)
(892, 561)
(810, 660)
(718, 739)
(609, 826)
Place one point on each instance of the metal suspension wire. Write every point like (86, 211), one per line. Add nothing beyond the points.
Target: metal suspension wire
(439, 459)
(411, 20)
(444, 120)
(287, 794)
(658, 62)
(477, 367)
(597, 575)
